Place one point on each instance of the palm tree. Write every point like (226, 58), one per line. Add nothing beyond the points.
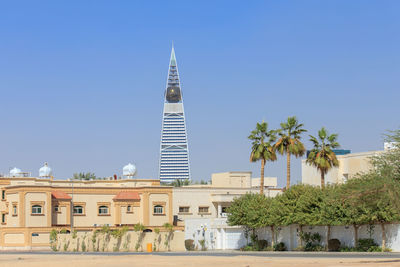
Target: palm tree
(289, 142)
(262, 148)
(322, 156)
(180, 182)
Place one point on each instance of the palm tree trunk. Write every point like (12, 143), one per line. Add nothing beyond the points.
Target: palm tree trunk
(322, 180)
(383, 237)
(288, 169)
(262, 177)
(272, 236)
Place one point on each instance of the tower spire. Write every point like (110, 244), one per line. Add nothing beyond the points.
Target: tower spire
(172, 61)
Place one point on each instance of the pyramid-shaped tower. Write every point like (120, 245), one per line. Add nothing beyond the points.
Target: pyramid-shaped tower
(174, 149)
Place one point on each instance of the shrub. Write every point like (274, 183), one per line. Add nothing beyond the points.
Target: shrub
(314, 248)
(66, 246)
(53, 239)
(334, 244)
(365, 244)
(247, 248)
(53, 235)
(262, 244)
(312, 241)
(83, 245)
(63, 231)
(189, 244)
(203, 244)
(280, 247)
(74, 234)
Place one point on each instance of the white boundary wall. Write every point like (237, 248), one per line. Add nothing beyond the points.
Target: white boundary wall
(219, 235)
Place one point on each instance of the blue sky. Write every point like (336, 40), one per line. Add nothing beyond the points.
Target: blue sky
(82, 82)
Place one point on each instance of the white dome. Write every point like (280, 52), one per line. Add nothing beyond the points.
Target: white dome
(15, 172)
(129, 170)
(45, 171)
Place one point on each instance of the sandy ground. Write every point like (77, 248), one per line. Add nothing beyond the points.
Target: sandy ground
(27, 260)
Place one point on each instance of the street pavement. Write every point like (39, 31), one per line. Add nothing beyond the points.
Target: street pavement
(230, 253)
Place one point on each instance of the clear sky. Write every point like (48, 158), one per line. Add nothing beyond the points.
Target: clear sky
(82, 82)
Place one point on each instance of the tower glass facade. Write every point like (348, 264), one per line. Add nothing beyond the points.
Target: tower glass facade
(174, 150)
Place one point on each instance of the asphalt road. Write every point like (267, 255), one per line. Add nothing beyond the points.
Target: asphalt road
(344, 255)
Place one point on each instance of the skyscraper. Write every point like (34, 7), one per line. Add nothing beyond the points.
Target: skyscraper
(174, 150)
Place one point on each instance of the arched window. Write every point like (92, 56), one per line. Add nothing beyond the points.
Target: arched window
(36, 209)
(103, 210)
(129, 208)
(158, 209)
(78, 210)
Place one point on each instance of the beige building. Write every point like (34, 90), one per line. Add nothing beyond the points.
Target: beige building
(31, 207)
(211, 200)
(349, 166)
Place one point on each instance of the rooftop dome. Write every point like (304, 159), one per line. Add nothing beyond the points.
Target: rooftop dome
(129, 170)
(45, 171)
(15, 172)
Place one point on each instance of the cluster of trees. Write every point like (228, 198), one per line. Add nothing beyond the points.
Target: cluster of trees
(184, 182)
(84, 176)
(287, 140)
(369, 198)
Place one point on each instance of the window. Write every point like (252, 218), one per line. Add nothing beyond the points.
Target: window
(56, 208)
(129, 208)
(183, 209)
(36, 209)
(224, 209)
(15, 210)
(103, 210)
(3, 218)
(78, 210)
(203, 209)
(158, 209)
(3, 194)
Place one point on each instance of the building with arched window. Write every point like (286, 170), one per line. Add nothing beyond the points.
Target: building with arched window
(31, 207)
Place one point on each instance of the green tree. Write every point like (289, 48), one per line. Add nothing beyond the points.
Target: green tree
(180, 182)
(272, 217)
(249, 211)
(262, 148)
(322, 156)
(354, 209)
(332, 209)
(388, 163)
(371, 195)
(382, 208)
(289, 142)
(84, 176)
(301, 205)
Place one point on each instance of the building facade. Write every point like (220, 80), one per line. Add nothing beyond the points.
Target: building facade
(31, 207)
(174, 149)
(349, 165)
(202, 209)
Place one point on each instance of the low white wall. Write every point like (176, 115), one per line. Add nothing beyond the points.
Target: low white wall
(130, 241)
(345, 234)
(215, 232)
